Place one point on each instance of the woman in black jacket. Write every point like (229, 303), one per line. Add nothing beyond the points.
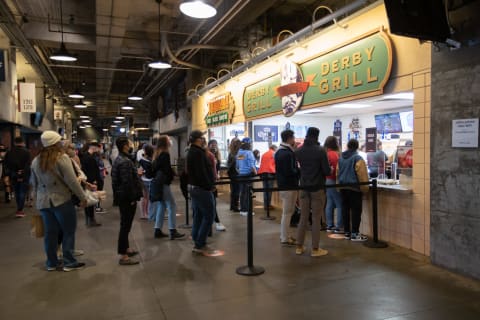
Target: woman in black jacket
(147, 176)
(163, 173)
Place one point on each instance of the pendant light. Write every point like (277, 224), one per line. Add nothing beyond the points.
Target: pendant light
(134, 97)
(80, 105)
(159, 64)
(198, 9)
(76, 95)
(126, 106)
(62, 54)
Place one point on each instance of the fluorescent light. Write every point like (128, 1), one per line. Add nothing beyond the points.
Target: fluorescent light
(159, 65)
(197, 9)
(351, 106)
(400, 96)
(310, 111)
(120, 117)
(113, 126)
(105, 129)
(82, 127)
(135, 98)
(88, 126)
(76, 95)
(63, 55)
(84, 117)
(86, 121)
(117, 121)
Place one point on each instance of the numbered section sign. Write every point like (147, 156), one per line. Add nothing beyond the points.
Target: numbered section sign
(26, 97)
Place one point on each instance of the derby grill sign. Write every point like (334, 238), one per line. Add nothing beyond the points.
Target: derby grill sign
(351, 71)
(220, 110)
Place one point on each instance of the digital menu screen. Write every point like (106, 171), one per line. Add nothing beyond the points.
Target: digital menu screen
(388, 123)
(406, 118)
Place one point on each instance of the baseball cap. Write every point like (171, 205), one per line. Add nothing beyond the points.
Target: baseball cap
(246, 140)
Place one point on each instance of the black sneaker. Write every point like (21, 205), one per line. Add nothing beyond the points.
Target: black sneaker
(347, 235)
(159, 234)
(75, 266)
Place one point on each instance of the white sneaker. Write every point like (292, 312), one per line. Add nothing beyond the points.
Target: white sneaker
(245, 213)
(220, 227)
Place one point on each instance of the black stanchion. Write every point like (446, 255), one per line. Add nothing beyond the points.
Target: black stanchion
(187, 214)
(267, 217)
(375, 243)
(250, 269)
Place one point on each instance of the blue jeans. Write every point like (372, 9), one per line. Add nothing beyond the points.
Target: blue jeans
(267, 196)
(334, 200)
(203, 206)
(55, 219)
(168, 203)
(20, 189)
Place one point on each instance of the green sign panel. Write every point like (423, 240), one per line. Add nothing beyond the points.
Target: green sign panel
(217, 118)
(358, 68)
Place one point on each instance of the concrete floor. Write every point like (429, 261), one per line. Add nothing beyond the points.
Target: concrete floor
(351, 282)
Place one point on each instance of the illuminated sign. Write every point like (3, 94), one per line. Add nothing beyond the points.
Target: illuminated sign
(345, 73)
(220, 110)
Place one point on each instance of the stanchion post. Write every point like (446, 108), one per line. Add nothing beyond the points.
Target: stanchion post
(375, 243)
(266, 177)
(250, 269)
(187, 214)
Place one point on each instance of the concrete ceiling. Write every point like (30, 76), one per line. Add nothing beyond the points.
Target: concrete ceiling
(115, 39)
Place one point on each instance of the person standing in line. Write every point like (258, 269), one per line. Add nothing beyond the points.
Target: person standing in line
(214, 156)
(246, 168)
(201, 186)
(147, 176)
(53, 181)
(5, 178)
(98, 155)
(334, 199)
(287, 174)
(127, 190)
(91, 170)
(267, 172)
(314, 167)
(163, 165)
(140, 152)
(17, 164)
(352, 169)
(233, 173)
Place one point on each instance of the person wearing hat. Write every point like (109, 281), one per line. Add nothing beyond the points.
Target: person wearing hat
(201, 185)
(53, 182)
(246, 166)
(17, 164)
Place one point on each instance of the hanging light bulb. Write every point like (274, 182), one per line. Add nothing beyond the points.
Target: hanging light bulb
(198, 9)
(80, 105)
(160, 63)
(62, 54)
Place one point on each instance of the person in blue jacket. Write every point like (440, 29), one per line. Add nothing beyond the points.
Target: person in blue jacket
(246, 168)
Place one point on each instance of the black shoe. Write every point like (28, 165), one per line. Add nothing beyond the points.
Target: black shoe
(174, 234)
(75, 266)
(159, 234)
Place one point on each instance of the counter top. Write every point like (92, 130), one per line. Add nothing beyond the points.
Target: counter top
(395, 187)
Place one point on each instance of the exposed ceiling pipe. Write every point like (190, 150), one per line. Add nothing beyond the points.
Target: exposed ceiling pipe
(14, 33)
(284, 43)
(230, 14)
(95, 68)
(206, 47)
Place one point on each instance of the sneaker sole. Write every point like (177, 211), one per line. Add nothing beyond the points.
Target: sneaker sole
(67, 269)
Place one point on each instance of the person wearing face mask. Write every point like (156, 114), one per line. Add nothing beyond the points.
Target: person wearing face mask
(91, 170)
(127, 190)
(287, 174)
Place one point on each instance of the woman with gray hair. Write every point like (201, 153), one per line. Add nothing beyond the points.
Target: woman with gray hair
(53, 181)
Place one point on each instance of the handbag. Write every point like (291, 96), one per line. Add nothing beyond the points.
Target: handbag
(38, 229)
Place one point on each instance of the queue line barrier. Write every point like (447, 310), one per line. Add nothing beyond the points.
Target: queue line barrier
(254, 270)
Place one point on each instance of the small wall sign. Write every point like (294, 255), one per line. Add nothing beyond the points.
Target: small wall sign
(465, 133)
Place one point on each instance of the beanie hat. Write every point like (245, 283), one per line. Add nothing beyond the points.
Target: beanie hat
(49, 138)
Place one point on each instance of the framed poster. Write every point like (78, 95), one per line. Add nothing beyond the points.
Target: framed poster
(265, 133)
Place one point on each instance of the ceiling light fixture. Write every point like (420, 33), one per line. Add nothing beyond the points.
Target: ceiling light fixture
(86, 121)
(135, 98)
(62, 54)
(113, 126)
(84, 117)
(198, 9)
(127, 106)
(80, 105)
(117, 121)
(76, 95)
(120, 117)
(105, 129)
(160, 63)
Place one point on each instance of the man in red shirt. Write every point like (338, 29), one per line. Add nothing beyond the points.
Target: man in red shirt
(267, 171)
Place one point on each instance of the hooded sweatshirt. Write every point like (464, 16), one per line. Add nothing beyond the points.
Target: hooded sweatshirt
(352, 169)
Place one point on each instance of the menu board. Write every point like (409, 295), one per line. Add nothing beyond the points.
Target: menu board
(388, 123)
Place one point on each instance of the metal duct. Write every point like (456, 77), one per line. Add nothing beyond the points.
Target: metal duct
(281, 45)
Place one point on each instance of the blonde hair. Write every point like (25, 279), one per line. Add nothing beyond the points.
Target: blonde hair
(48, 157)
